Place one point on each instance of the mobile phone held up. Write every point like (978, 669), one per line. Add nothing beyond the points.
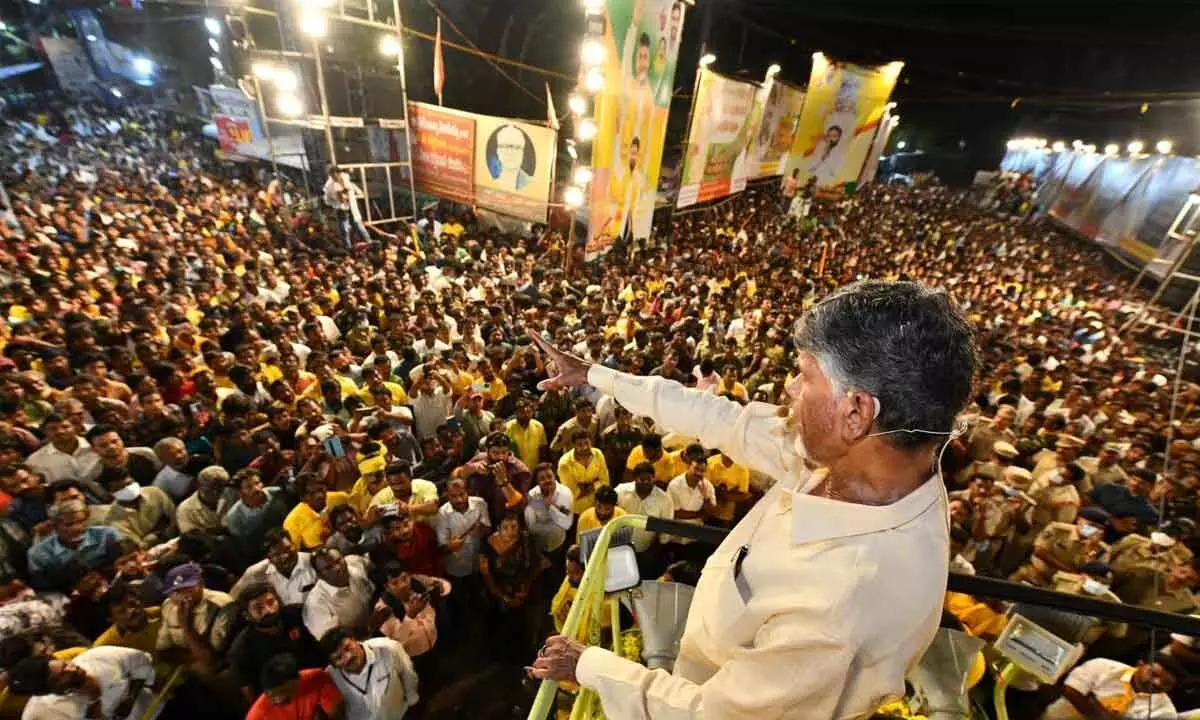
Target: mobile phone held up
(333, 446)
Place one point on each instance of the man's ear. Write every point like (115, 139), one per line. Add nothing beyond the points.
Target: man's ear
(858, 414)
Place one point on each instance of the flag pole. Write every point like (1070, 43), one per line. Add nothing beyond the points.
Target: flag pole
(439, 65)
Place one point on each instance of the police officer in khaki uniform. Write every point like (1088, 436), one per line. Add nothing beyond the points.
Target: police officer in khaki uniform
(1063, 547)
(1105, 469)
(1057, 496)
(1066, 450)
(987, 432)
(1137, 559)
(1003, 455)
(1094, 579)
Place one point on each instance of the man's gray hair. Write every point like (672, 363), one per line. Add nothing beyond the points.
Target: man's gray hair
(161, 447)
(214, 472)
(907, 345)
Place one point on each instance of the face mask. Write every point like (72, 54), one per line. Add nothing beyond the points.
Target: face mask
(1089, 531)
(1161, 539)
(269, 622)
(1094, 587)
(129, 493)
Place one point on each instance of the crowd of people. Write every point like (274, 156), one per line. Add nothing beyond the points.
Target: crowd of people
(252, 472)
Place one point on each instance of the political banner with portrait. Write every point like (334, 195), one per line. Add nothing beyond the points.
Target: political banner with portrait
(492, 162)
(514, 162)
(724, 114)
(779, 107)
(641, 42)
(842, 109)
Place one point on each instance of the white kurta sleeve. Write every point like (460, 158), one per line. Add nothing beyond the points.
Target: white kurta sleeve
(138, 665)
(791, 665)
(753, 435)
(408, 676)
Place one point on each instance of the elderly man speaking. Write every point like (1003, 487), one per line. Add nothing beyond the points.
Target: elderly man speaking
(830, 589)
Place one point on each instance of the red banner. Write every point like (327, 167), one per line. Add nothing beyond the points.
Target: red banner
(232, 132)
(443, 153)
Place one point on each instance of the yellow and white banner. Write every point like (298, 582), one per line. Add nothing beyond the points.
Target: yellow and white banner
(513, 165)
(717, 159)
(779, 106)
(842, 109)
(493, 162)
(641, 41)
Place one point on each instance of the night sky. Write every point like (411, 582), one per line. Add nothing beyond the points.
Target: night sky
(1080, 70)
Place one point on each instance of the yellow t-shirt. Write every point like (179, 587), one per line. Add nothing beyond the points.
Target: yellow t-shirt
(735, 478)
(348, 388)
(666, 468)
(494, 390)
(423, 491)
(560, 606)
(308, 528)
(529, 440)
(573, 473)
(399, 396)
(589, 521)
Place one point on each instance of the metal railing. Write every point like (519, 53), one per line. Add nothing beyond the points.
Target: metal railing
(591, 595)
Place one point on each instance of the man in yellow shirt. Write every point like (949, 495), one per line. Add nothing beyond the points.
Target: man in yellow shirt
(324, 371)
(583, 470)
(528, 434)
(371, 380)
(417, 498)
(667, 466)
(732, 483)
(605, 509)
(308, 523)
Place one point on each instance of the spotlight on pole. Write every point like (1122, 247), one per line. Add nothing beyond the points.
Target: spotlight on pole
(143, 66)
(571, 149)
(707, 59)
(586, 129)
(286, 80)
(1058, 146)
(573, 197)
(900, 145)
(213, 26)
(1164, 147)
(214, 45)
(116, 91)
(593, 5)
(576, 103)
(592, 52)
(1112, 149)
(583, 175)
(312, 23)
(1135, 147)
(390, 45)
(216, 63)
(593, 82)
(264, 70)
(289, 106)
(773, 69)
